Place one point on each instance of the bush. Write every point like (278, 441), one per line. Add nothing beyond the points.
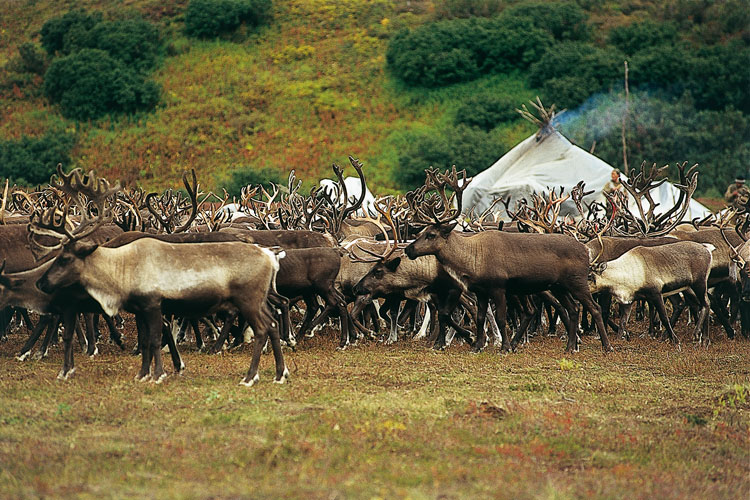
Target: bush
(463, 146)
(59, 32)
(571, 71)
(639, 36)
(451, 9)
(486, 111)
(31, 161)
(135, 42)
(564, 21)
(242, 176)
(447, 52)
(32, 58)
(90, 84)
(512, 43)
(569, 91)
(720, 77)
(211, 18)
(664, 66)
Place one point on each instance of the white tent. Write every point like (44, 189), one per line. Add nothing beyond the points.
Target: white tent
(548, 160)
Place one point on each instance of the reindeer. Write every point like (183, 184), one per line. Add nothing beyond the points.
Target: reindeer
(493, 263)
(397, 279)
(148, 276)
(650, 273)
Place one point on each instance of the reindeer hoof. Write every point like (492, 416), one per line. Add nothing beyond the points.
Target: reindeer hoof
(65, 376)
(96, 351)
(24, 356)
(143, 378)
(251, 382)
(38, 355)
(159, 379)
(284, 377)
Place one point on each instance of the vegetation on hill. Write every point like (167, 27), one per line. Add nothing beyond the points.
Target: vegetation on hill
(146, 93)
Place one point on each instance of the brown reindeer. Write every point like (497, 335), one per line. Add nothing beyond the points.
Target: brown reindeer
(493, 263)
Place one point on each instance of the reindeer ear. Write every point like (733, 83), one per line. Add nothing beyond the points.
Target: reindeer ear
(446, 229)
(84, 248)
(599, 268)
(392, 264)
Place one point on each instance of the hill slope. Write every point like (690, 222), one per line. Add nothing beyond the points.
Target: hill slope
(307, 90)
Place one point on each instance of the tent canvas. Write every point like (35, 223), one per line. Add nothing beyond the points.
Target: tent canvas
(548, 160)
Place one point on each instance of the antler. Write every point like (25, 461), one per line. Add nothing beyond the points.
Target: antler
(88, 193)
(640, 187)
(543, 217)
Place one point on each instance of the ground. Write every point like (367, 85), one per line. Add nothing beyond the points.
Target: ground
(375, 421)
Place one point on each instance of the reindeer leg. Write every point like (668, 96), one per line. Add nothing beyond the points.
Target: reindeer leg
(224, 334)
(144, 343)
(166, 333)
(311, 308)
(70, 323)
(658, 301)
(625, 312)
(581, 294)
(155, 332)
(25, 315)
(35, 334)
(92, 349)
(114, 333)
(82, 339)
(482, 303)
(52, 332)
(721, 314)
(501, 309)
(195, 325)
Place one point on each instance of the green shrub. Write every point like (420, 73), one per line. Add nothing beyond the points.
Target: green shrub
(664, 66)
(32, 59)
(463, 146)
(720, 77)
(90, 84)
(242, 176)
(135, 42)
(445, 52)
(512, 43)
(563, 20)
(571, 71)
(643, 35)
(31, 161)
(211, 18)
(59, 32)
(569, 91)
(486, 111)
(451, 9)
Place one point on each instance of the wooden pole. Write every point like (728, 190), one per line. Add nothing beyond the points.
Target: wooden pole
(624, 123)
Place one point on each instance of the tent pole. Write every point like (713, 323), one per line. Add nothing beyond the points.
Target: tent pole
(624, 123)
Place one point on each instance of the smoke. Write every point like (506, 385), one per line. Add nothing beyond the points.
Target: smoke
(597, 117)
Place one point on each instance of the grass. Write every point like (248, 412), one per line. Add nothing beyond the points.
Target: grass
(385, 422)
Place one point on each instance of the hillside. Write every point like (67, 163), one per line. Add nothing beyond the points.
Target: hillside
(305, 90)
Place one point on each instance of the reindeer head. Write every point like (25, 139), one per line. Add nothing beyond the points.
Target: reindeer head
(436, 210)
(91, 200)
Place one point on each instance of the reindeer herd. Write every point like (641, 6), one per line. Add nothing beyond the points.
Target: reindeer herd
(83, 249)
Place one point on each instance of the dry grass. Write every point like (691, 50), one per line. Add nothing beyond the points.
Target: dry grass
(389, 422)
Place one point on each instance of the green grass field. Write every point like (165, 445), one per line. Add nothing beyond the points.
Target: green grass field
(378, 421)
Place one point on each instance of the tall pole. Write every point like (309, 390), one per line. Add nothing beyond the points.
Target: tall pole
(624, 122)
